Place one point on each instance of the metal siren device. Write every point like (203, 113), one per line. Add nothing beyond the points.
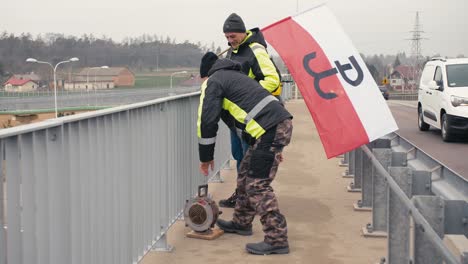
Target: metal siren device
(200, 214)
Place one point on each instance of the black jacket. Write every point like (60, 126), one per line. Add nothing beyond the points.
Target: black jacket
(227, 89)
(255, 61)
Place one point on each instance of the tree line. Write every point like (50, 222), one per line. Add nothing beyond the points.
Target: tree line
(143, 53)
(146, 53)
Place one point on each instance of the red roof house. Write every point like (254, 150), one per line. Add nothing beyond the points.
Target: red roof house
(20, 85)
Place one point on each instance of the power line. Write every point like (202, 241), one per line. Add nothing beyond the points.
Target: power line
(416, 47)
(416, 39)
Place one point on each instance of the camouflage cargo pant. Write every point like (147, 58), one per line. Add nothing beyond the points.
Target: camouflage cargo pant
(255, 194)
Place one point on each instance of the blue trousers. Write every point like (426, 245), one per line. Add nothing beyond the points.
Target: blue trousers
(238, 148)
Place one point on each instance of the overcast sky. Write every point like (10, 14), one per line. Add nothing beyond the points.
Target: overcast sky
(375, 26)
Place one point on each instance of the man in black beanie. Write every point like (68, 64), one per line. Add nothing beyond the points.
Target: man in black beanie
(234, 23)
(267, 126)
(248, 47)
(206, 63)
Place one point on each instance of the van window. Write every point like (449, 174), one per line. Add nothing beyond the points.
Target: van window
(457, 75)
(438, 78)
(427, 74)
(438, 75)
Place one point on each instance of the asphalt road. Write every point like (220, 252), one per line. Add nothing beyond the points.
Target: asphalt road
(452, 154)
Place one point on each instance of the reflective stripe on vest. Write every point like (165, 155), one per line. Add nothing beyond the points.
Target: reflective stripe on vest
(206, 141)
(259, 107)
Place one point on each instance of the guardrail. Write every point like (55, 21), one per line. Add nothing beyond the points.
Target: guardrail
(399, 182)
(409, 96)
(291, 91)
(99, 187)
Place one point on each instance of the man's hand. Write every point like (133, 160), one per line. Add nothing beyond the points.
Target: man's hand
(204, 166)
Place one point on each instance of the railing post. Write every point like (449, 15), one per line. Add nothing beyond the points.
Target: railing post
(432, 208)
(399, 218)
(162, 245)
(365, 204)
(378, 227)
(349, 173)
(367, 176)
(344, 160)
(355, 186)
(422, 183)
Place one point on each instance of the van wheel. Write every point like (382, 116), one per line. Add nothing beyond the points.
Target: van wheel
(423, 126)
(446, 131)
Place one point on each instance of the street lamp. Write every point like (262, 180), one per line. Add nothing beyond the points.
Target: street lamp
(174, 73)
(95, 83)
(87, 74)
(55, 77)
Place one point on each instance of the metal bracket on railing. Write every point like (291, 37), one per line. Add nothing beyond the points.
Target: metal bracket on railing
(162, 245)
(227, 165)
(411, 153)
(456, 217)
(394, 139)
(422, 183)
(399, 159)
(438, 167)
(216, 178)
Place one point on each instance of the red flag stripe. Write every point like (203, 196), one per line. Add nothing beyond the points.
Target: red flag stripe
(334, 118)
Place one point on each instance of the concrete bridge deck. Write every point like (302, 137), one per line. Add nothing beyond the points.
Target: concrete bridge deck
(323, 227)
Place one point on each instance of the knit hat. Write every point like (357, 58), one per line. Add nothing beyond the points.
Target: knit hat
(206, 63)
(234, 23)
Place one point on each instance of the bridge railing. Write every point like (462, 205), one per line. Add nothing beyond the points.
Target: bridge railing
(99, 187)
(400, 183)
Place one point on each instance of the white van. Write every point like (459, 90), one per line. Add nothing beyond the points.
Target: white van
(443, 97)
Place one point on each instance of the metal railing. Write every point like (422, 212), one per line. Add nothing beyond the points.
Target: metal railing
(99, 187)
(409, 96)
(399, 182)
(36, 101)
(290, 91)
(101, 98)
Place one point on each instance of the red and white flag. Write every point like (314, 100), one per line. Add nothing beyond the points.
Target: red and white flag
(347, 106)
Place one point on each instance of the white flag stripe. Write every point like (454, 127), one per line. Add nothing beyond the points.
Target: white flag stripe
(367, 100)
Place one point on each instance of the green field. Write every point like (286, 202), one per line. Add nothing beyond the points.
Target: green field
(161, 79)
(156, 81)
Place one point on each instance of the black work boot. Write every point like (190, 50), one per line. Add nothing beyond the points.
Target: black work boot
(229, 202)
(263, 248)
(231, 227)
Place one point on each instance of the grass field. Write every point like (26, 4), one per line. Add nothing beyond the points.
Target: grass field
(161, 79)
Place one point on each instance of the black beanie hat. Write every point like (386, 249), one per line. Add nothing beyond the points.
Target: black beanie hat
(206, 63)
(234, 23)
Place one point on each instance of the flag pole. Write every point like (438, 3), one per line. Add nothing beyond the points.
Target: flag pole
(222, 52)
